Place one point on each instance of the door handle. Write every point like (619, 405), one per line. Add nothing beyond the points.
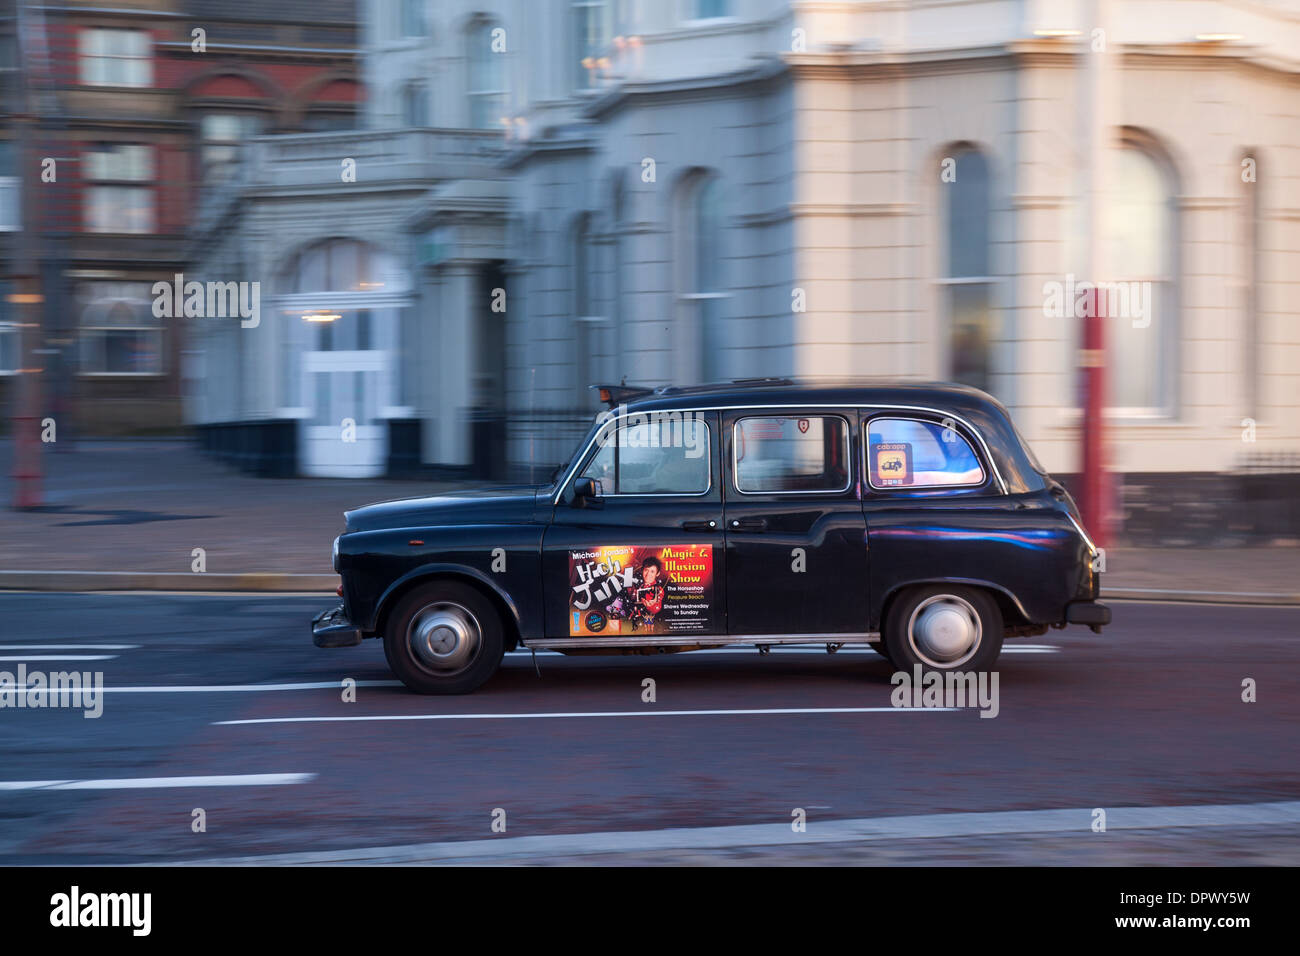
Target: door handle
(709, 525)
(748, 524)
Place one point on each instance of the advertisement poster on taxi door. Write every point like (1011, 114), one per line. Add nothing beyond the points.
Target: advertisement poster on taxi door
(626, 590)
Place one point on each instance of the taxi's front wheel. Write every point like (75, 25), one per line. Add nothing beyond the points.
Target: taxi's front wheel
(944, 628)
(444, 638)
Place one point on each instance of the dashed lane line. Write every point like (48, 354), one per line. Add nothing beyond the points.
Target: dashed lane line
(545, 715)
(162, 783)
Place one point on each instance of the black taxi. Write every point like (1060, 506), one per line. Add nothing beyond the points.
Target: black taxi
(911, 517)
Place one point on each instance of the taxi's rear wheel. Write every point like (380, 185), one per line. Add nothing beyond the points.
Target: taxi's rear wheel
(944, 628)
(444, 638)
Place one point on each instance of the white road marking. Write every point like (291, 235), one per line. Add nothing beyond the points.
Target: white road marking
(1072, 821)
(161, 783)
(58, 657)
(595, 713)
(68, 647)
(230, 688)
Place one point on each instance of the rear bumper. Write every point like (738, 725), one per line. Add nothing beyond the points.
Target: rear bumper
(331, 628)
(1092, 613)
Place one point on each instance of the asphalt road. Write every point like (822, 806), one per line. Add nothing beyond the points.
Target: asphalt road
(1147, 716)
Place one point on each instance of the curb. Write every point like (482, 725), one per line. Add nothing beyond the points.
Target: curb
(166, 581)
(1191, 597)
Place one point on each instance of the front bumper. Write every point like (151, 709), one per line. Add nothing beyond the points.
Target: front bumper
(331, 628)
(1093, 613)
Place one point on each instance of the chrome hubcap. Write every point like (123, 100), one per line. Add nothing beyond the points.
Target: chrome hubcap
(944, 630)
(444, 637)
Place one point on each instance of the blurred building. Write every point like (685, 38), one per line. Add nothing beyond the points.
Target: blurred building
(138, 107)
(552, 193)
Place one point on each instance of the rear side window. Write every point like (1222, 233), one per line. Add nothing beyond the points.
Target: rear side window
(789, 454)
(658, 456)
(907, 453)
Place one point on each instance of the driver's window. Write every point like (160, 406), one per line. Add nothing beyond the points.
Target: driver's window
(652, 454)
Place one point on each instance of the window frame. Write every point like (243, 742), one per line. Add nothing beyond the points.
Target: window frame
(595, 448)
(1167, 363)
(949, 279)
(584, 80)
(480, 30)
(93, 330)
(10, 326)
(95, 184)
(85, 58)
(848, 454)
(977, 447)
(690, 15)
(250, 122)
(405, 10)
(414, 99)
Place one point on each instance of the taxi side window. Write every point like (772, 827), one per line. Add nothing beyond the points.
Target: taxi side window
(666, 455)
(791, 454)
(907, 453)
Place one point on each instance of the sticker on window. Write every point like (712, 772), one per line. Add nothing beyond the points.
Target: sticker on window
(893, 464)
(625, 590)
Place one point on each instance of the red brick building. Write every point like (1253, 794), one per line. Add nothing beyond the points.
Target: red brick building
(136, 106)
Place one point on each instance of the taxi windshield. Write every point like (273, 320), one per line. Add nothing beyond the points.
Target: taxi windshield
(562, 470)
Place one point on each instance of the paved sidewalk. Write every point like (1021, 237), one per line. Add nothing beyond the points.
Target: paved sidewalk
(145, 506)
(114, 507)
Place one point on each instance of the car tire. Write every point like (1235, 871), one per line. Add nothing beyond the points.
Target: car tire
(444, 638)
(945, 627)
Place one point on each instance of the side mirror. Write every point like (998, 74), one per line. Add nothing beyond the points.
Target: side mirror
(584, 490)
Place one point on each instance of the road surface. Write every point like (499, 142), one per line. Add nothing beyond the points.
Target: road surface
(221, 704)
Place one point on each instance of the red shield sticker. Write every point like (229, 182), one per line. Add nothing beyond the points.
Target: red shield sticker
(803, 425)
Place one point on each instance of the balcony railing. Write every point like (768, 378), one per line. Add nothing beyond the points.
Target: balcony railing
(304, 160)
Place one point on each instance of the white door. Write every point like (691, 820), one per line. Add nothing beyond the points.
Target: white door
(343, 390)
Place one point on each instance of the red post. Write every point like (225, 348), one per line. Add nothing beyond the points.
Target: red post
(27, 469)
(1094, 499)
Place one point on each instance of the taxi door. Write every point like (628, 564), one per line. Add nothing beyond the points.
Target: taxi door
(796, 543)
(639, 558)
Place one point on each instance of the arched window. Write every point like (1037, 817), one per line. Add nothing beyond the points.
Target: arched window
(487, 74)
(700, 269)
(967, 275)
(335, 265)
(119, 332)
(1141, 331)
